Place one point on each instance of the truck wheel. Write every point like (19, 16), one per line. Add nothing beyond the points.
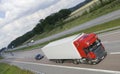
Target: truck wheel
(90, 62)
(83, 61)
(94, 63)
(59, 61)
(75, 62)
(56, 61)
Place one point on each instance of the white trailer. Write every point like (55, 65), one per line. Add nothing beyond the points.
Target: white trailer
(62, 49)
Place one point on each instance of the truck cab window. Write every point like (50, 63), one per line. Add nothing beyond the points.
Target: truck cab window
(95, 45)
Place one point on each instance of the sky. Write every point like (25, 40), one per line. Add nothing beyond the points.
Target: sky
(20, 16)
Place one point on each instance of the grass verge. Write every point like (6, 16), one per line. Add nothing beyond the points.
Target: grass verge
(82, 19)
(103, 26)
(96, 28)
(10, 69)
(1, 57)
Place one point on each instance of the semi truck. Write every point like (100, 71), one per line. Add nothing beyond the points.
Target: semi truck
(81, 48)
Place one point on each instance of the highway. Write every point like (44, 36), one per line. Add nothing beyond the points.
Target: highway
(97, 21)
(110, 65)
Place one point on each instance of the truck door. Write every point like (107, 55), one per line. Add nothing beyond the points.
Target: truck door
(80, 49)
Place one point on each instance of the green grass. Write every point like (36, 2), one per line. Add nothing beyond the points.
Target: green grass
(103, 26)
(10, 69)
(82, 19)
(96, 28)
(1, 57)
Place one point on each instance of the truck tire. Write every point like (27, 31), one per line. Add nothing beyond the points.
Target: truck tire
(94, 63)
(59, 61)
(83, 61)
(56, 61)
(75, 62)
(90, 62)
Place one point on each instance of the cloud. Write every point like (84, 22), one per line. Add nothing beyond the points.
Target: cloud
(22, 15)
(16, 9)
(2, 14)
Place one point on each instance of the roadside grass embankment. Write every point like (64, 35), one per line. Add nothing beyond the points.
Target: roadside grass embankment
(115, 5)
(100, 27)
(1, 57)
(104, 26)
(10, 69)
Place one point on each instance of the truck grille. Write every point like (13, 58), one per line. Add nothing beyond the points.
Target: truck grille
(100, 52)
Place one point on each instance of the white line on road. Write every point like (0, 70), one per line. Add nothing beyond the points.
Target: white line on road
(78, 68)
(108, 42)
(115, 53)
(109, 33)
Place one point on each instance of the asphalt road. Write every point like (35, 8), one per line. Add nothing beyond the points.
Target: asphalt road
(59, 69)
(110, 65)
(97, 21)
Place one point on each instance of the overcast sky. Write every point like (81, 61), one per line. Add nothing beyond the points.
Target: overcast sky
(20, 16)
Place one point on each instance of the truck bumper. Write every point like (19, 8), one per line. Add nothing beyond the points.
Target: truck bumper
(97, 60)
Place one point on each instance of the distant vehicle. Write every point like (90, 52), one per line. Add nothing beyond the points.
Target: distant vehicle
(39, 57)
(32, 41)
(83, 48)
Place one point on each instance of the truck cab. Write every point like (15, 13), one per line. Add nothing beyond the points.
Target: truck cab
(90, 48)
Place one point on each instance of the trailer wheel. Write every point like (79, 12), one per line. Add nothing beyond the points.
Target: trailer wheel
(75, 62)
(56, 61)
(59, 61)
(83, 61)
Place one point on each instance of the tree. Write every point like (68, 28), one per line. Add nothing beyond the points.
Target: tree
(64, 13)
(38, 29)
(101, 1)
(20, 40)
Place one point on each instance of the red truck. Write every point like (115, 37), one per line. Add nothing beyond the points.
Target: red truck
(82, 48)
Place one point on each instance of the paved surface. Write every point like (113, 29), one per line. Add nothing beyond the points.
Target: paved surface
(110, 65)
(59, 69)
(111, 41)
(97, 21)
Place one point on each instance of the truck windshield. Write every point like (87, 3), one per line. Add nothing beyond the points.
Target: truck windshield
(94, 46)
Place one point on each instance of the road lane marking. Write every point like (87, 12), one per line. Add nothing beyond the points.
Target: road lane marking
(115, 53)
(78, 68)
(100, 35)
(109, 42)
